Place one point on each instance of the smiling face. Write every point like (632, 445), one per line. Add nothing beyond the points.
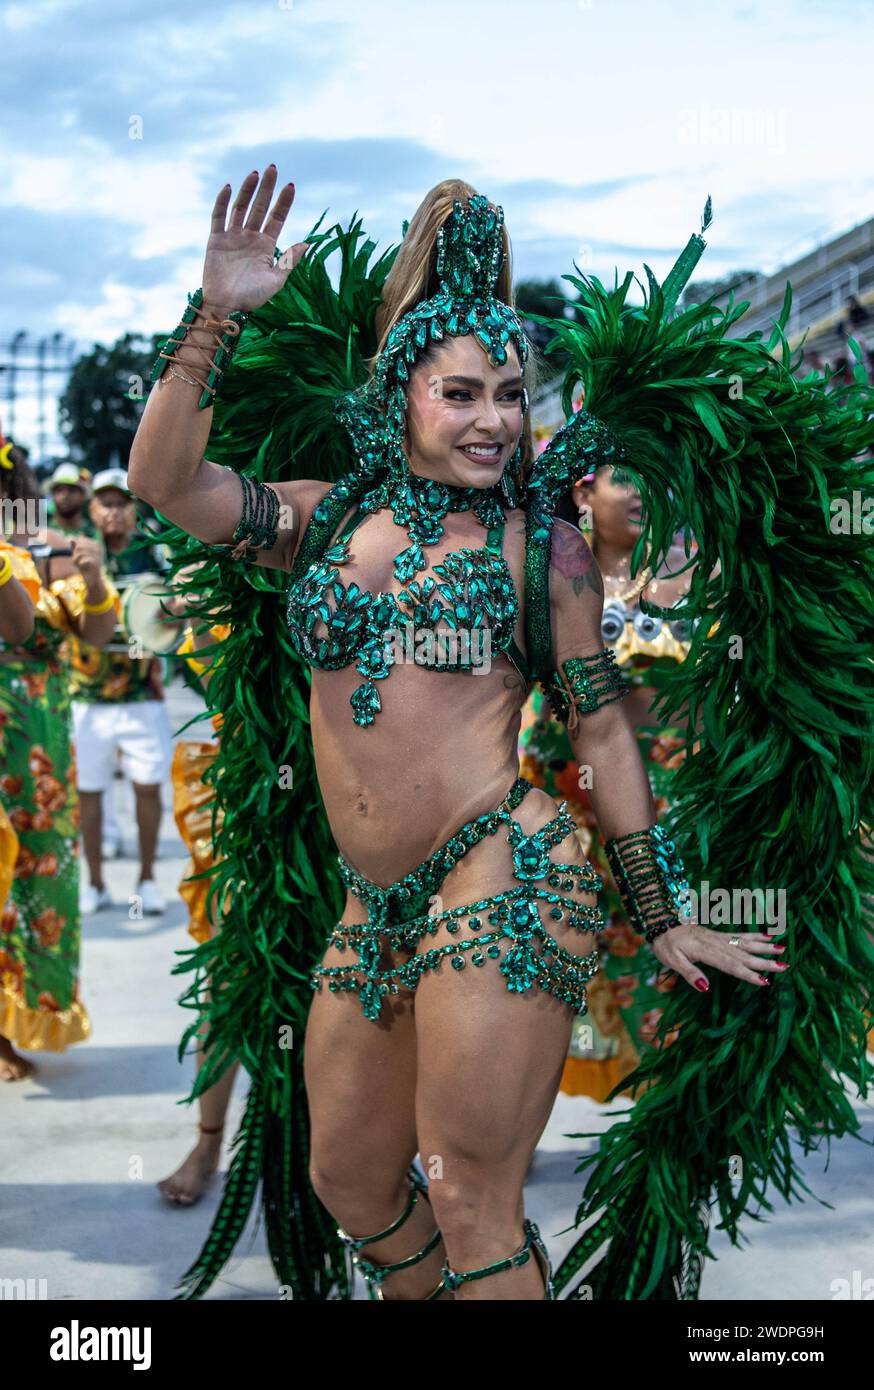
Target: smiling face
(464, 416)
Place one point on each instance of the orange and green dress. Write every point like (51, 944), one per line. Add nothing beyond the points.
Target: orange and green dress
(193, 803)
(626, 996)
(40, 1007)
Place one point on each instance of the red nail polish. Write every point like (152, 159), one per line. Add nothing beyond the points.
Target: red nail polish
(780, 948)
(701, 984)
(764, 979)
(782, 965)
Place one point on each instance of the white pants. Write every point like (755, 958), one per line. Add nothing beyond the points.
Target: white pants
(139, 728)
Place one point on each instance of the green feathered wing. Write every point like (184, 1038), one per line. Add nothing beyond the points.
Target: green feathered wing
(762, 469)
(276, 887)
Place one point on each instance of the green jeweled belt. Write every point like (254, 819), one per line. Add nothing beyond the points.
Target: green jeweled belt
(513, 915)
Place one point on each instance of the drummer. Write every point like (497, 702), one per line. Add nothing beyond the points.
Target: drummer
(119, 705)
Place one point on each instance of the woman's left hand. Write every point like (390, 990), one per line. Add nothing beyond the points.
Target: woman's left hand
(680, 947)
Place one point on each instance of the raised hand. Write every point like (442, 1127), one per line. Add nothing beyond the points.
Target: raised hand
(239, 271)
(86, 558)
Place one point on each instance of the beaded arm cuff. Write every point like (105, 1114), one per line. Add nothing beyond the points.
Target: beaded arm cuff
(651, 879)
(589, 682)
(227, 332)
(258, 527)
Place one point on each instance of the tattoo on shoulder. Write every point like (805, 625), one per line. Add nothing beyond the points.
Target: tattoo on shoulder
(572, 558)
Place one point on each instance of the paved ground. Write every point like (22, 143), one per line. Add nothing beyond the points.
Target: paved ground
(83, 1143)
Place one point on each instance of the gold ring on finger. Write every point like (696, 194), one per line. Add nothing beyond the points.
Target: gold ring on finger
(734, 941)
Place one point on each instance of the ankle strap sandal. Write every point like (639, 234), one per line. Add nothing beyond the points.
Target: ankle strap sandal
(374, 1275)
(452, 1279)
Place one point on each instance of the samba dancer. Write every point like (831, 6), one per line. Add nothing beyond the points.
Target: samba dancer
(472, 1076)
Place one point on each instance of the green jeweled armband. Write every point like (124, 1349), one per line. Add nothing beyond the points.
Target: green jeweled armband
(227, 334)
(589, 682)
(258, 527)
(651, 879)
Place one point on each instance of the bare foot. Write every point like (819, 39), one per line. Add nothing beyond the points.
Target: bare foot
(187, 1185)
(12, 1066)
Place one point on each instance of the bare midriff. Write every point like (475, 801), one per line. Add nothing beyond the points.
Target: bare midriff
(442, 749)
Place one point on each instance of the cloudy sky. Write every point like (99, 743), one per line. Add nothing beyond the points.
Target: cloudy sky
(600, 125)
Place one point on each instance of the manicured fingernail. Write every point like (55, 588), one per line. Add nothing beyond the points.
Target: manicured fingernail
(701, 983)
(780, 948)
(764, 979)
(782, 964)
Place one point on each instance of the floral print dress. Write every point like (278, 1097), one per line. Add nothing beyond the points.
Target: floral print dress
(40, 1007)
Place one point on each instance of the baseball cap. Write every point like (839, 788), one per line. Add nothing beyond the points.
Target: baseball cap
(111, 477)
(70, 474)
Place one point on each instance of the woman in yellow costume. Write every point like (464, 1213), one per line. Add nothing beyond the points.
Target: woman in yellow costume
(193, 802)
(40, 1008)
(627, 995)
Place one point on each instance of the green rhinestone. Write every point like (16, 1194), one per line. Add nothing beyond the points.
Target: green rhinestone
(556, 914)
(478, 958)
(458, 962)
(494, 952)
(475, 924)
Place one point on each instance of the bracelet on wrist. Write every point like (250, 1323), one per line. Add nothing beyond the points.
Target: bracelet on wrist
(103, 606)
(226, 335)
(258, 527)
(5, 570)
(651, 879)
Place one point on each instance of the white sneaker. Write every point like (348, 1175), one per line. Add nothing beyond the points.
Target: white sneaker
(153, 903)
(92, 899)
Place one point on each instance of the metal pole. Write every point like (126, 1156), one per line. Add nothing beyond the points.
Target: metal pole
(17, 342)
(41, 399)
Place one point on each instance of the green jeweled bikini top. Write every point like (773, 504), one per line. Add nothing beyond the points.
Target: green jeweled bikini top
(471, 594)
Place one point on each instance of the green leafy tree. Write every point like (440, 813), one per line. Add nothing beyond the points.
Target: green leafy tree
(700, 290)
(548, 298)
(102, 404)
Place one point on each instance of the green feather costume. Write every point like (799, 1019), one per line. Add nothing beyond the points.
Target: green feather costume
(726, 444)
(280, 892)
